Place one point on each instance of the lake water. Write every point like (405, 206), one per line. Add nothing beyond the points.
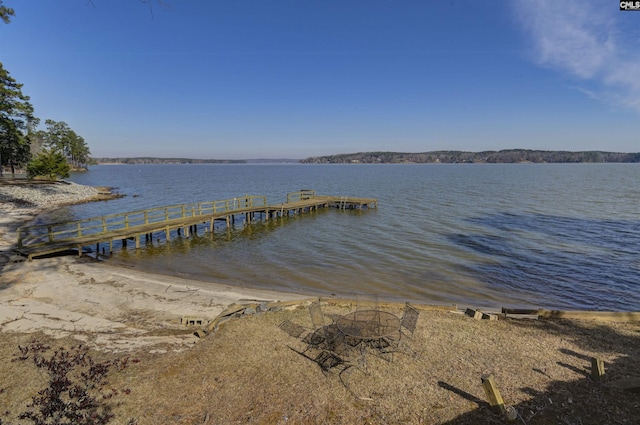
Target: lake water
(536, 235)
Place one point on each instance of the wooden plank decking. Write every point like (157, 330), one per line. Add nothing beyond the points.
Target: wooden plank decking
(40, 240)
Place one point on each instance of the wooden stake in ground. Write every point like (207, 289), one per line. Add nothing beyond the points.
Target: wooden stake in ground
(495, 399)
(493, 394)
(597, 369)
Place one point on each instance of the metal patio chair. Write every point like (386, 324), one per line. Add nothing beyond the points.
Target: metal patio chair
(326, 334)
(408, 324)
(330, 363)
(409, 321)
(327, 346)
(318, 319)
(317, 335)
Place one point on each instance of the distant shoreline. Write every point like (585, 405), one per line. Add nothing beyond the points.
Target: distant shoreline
(195, 161)
(507, 156)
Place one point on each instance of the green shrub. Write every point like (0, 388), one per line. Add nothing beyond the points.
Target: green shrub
(50, 163)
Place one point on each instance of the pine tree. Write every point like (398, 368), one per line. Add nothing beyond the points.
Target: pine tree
(50, 163)
(16, 120)
(5, 13)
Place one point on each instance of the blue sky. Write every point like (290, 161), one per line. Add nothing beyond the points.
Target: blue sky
(238, 79)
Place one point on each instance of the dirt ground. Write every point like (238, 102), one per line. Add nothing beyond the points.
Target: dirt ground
(247, 372)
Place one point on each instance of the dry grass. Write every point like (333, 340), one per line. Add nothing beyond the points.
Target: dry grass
(246, 373)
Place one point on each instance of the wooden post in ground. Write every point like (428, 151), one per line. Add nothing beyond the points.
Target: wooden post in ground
(493, 394)
(597, 369)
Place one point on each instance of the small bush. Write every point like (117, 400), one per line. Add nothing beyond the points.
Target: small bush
(50, 163)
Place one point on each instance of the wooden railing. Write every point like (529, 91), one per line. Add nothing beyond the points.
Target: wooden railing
(45, 234)
(54, 237)
(302, 195)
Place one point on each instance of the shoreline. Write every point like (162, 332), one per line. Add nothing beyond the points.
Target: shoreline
(107, 307)
(110, 307)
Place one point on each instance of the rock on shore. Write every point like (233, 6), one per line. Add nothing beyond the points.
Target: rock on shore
(43, 195)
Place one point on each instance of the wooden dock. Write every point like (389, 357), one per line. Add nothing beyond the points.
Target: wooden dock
(183, 219)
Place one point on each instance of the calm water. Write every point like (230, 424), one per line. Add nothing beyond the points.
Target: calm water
(536, 235)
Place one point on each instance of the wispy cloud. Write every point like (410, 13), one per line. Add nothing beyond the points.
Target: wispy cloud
(586, 40)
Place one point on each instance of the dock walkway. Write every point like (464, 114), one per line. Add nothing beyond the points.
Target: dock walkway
(45, 239)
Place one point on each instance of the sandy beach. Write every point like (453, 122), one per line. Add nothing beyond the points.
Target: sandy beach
(107, 307)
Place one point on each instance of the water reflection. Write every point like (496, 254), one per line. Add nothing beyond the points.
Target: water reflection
(200, 239)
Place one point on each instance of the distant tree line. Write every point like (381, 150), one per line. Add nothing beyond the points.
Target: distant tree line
(52, 152)
(152, 160)
(457, 157)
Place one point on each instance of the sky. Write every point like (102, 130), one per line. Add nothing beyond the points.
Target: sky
(247, 79)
